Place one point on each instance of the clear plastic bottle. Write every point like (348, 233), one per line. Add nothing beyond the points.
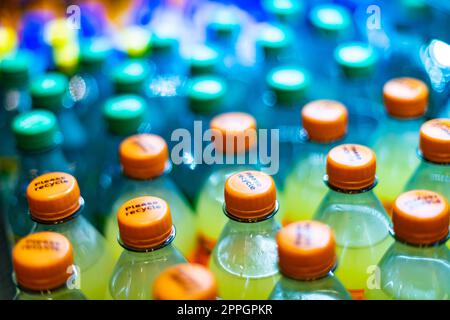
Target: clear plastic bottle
(132, 76)
(307, 260)
(205, 99)
(224, 33)
(329, 25)
(433, 172)
(245, 260)
(124, 115)
(165, 53)
(355, 80)
(44, 268)
(395, 145)
(145, 165)
(146, 235)
(417, 265)
(274, 47)
(14, 99)
(357, 217)
(234, 126)
(56, 205)
(325, 124)
(287, 90)
(186, 281)
(89, 88)
(38, 143)
(50, 92)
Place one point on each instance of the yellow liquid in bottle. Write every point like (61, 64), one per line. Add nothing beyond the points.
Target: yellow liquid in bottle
(245, 260)
(95, 279)
(231, 285)
(357, 266)
(396, 161)
(92, 256)
(304, 189)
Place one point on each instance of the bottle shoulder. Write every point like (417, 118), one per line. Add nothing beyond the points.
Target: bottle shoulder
(409, 272)
(246, 248)
(358, 220)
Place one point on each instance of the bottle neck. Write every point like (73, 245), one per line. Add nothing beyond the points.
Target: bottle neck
(267, 225)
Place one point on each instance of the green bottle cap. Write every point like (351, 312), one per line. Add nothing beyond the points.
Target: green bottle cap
(356, 59)
(36, 130)
(14, 69)
(289, 83)
(94, 52)
(130, 75)
(224, 23)
(273, 39)
(283, 9)
(203, 60)
(416, 7)
(124, 113)
(331, 20)
(48, 90)
(161, 42)
(205, 93)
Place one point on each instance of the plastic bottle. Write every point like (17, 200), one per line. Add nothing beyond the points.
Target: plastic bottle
(357, 217)
(146, 235)
(165, 53)
(355, 80)
(288, 88)
(223, 33)
(56, 205)
(417, 265)
(210, 218)
(307, 260)
(244, 260)
(132, 76)
(329, 25)
(145, 166)
(325, 125)
(124, 115)
(205, 99)
(14, 99)
(274, 46)
(44, 268)
(38, 141)
(185, 282)
(50, 92)
(405, 100)
(433, 172)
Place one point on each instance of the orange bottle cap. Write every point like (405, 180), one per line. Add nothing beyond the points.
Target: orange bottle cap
(234, 132)
(250, 195)
(420, 217)
(405, 97)
(435, 140)
(144, 156)
(42, 261)
(144, 222)
(185, 282)
(351, 167)
(53, 196)
(306, 250)
(325, 120)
